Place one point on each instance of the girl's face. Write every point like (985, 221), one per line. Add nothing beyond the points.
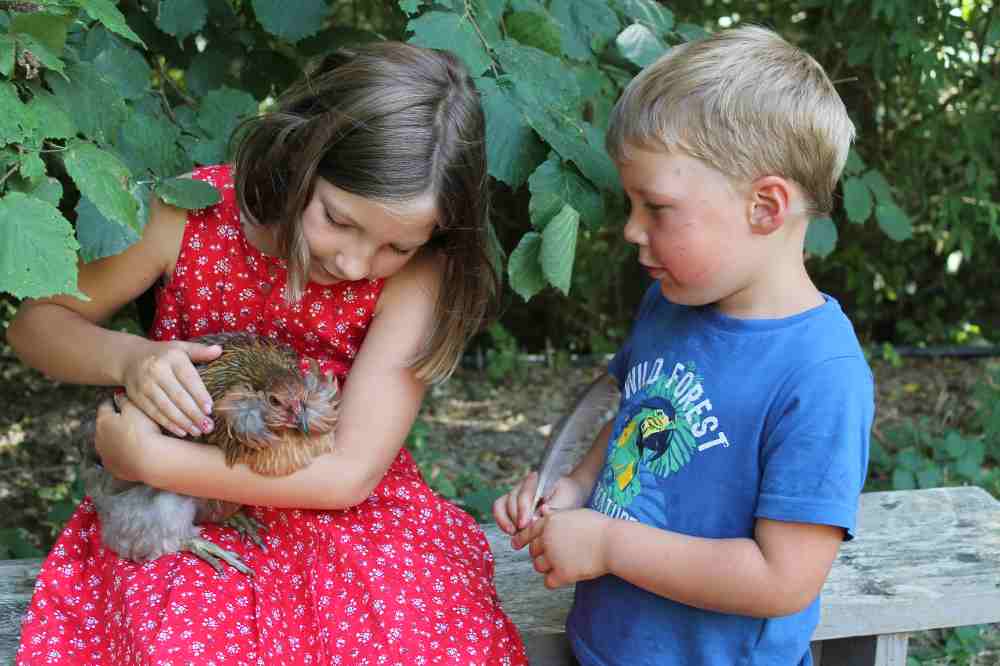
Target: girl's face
(354, 238)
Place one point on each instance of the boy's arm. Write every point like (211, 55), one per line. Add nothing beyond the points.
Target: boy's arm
(778, 572)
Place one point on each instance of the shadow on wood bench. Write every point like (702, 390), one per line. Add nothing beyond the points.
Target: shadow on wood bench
(923, 559)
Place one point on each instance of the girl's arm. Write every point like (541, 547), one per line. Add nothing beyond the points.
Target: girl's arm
(61, 336)
(379, 403)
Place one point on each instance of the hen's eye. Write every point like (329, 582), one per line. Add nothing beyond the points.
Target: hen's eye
(273, 401)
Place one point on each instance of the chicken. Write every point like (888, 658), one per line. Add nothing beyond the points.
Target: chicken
(268, 415)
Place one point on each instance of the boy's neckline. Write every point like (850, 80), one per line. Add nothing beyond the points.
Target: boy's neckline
(714, 317)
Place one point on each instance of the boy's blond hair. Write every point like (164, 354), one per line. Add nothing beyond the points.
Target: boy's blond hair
(746, 102)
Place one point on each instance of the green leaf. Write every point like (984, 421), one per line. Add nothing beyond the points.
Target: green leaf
(649, 13)
(47, 189)
(149, 144)
(266, 70)
(821, 237)
(93, 103)
(307, 17)
(410, 7)
(187, 193)
(222, 110)
(47, 58)
(455, 32)
(16, 123)
(854, 164)
(103, 179)
(107, 13)
(49, 30)
(100, 237)
(535, 29)
(15, 544)
(7, 46)
(640, 45)
(894, 221)
(903, 479)
(879, 186)
(37, 249)
(554, 185)
(690, 32)
(125, 67)
(929, 476)
(857, 200)
(32, 167)
(538, 77)
(512, 148)
(524, 267)
(54, 122)
(588, 26)
(182, 18)
(559, 248)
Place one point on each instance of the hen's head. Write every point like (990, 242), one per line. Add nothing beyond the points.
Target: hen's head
(306, 403)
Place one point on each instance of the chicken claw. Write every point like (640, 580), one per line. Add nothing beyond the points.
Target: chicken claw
(247, 526)
(212, 553)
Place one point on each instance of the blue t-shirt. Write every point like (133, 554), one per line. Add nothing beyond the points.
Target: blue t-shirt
(723, 421)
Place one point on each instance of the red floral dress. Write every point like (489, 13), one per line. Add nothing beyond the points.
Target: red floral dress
(403, 578)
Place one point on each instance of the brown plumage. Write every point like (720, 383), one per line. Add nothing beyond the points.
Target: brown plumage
(268, 415)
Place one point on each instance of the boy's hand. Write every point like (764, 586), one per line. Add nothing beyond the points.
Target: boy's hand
(513, 511)
(163, 382)
(567, 546)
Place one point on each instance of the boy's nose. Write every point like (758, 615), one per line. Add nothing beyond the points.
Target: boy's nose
(634, 231)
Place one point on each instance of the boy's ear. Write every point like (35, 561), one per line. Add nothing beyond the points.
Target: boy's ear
(770, 198)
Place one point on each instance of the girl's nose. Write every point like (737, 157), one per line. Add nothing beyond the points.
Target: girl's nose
(354, 265)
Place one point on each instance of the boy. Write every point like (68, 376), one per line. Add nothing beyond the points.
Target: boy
(718, 497)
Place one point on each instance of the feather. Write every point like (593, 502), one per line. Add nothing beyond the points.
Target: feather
(574, 434)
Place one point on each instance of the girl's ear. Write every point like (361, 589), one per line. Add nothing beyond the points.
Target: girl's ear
(770, 199)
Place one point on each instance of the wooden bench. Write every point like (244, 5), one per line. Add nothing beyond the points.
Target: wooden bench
(923, 559)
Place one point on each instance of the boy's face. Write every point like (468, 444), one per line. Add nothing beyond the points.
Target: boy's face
(692, 228)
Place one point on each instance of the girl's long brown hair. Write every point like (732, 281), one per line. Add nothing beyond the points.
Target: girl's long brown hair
(390, 122)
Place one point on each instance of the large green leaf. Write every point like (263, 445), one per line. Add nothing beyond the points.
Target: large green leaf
(182, 18)
(48, 29)
(513, 150)
(148, 144)
(587, 26)
(100, 237)
(553, 185)
(7, 46)
(651, 14)
(878, 185)
(42, 54)
(452, 31)
(187, 193)
(538, 77)
(536, 29)
(821, 237)
(16, 123)
(894, 221)
(92, 102)
(410, 7)
(222, 110)
(37, 248)
(53, 121)
(524, 266)
(108, 14)
(103, 179)
(291, 23)
(47, 189)
(559, 248)
(124, 66)
(857, 200)
(640, 45)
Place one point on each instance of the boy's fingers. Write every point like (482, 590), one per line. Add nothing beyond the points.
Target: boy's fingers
(500, 515)
(541, 564)
(524, 498)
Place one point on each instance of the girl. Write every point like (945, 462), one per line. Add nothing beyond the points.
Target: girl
(352, 226)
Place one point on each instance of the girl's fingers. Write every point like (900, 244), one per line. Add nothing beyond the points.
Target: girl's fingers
(200, 353)
(174, 419)
(524, 498)
(189, 378)
(541, 564)
(501, 516)
(511, 498)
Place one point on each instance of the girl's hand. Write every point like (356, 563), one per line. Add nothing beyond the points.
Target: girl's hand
(121, 439)
(162, 381)
(513, 511)
(567, 546)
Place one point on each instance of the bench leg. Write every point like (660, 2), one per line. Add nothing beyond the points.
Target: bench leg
(884, 650)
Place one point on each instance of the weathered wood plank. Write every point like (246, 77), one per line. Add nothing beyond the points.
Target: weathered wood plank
(923, 559)
(17, 578)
